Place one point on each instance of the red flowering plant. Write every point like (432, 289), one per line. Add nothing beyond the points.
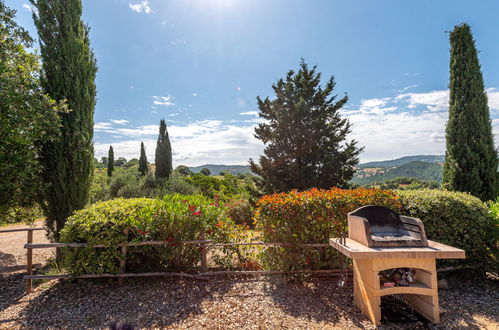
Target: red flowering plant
(311, 216)
(172, 219)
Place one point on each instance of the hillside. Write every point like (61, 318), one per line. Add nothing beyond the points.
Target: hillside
(216, 169)
(404, 160)
(415, 169)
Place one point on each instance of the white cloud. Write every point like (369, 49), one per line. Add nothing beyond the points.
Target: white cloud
(493, 95)
(249, 113)
(27, 7)
(194, 94)
(390, 135)
(416, 125)
(178, 41)
(120, 121)
(197, 143)
(163, 100)
(374, 106)
(102, 126)
(434, 100)
(143, 6)
(390, 127)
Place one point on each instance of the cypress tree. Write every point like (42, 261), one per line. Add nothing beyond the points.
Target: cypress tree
(305, 137)
(110, 162)
(143, 169)
(163, 157)
(68, 73)
(471, 158)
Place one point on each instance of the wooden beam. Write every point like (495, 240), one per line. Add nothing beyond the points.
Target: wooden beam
(21, 229)
(29, 261)
(87, 276)
(77, 245)
(273, 272)
(204, 256)
(121, 280)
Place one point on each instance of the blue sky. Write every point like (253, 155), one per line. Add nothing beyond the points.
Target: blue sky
(201, 63)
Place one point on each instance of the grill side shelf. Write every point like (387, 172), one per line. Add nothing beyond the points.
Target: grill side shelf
(356, 250)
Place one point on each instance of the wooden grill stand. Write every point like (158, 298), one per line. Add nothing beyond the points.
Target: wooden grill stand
(368, 262)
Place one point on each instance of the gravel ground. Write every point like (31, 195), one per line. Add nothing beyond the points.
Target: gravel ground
(221, 303)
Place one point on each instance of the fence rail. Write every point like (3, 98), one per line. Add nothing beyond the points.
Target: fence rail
(20, 229)
(203, 274)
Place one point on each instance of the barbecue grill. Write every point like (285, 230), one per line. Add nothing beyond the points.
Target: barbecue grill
(379, 240)
(378, 226)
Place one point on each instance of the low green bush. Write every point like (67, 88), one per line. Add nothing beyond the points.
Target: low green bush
(240, 211)
(494, 210)
(173, 218)
(311, 216)
(456, 219)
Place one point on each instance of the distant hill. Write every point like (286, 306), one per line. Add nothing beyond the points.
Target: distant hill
(216, 169)
(415, 169)
(404, 160)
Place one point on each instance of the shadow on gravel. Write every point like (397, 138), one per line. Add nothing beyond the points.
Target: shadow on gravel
(155, 302)
(319, 299)
(467, 300)
(12, 289)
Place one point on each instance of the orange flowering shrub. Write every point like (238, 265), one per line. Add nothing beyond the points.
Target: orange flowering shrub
(311, 216)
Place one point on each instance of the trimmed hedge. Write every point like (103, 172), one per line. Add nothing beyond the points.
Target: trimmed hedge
(457, 219)
(173, 218)
(311, 216)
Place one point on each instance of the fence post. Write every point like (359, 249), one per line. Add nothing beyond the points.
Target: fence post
(204, 258)
(29, 257)
(121, 280)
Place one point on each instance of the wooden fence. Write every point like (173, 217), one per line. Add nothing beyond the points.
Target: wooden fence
(29, 253)
(203, 274)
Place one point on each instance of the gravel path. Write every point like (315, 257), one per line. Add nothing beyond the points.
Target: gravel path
(221, 303)
(12, 252)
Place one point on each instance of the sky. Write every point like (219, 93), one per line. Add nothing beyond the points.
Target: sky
(200, 64)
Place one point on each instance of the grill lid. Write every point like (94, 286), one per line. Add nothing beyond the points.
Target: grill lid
(374, 225)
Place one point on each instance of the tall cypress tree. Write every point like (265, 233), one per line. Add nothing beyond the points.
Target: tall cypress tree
(143, 169)
(110, 162)
(163, 157)
(68, 73)
(471, 158)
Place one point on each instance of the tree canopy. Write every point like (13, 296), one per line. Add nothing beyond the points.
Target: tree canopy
(304, 135)
(28, 118)
(110, 161)
(143, 169)
(68, 73)
(163, 157)
(471, 158)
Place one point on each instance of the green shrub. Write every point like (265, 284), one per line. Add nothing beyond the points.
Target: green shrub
(240, 211)
(494, 210)
(456, 219)
(26, 214)
(177, 184)
(173, 218)
(311, 216)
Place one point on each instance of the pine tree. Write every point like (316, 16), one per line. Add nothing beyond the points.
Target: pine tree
(143, 169)
(471, 158)
(304, 135)
(68, 73)
(110, 162)
(163, 157)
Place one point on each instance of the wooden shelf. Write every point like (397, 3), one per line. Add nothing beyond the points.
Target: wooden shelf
(413, 288)
(435, 250)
